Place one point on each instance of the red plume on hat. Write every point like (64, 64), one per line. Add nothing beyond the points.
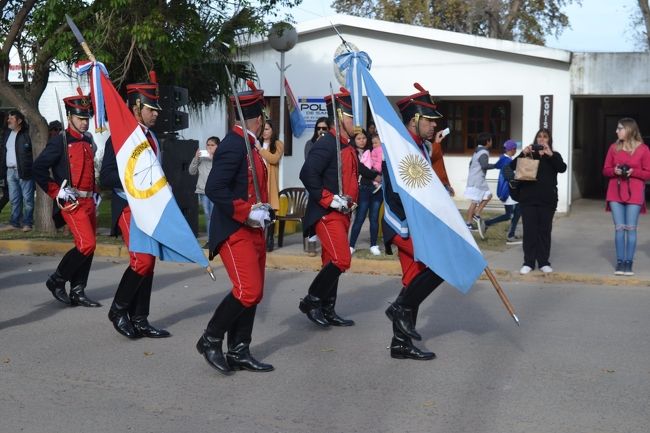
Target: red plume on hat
(420, 103)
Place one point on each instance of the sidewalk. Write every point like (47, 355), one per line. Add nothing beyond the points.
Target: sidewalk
(582, 251)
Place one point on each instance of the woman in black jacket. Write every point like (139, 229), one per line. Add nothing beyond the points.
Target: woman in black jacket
(538, 201)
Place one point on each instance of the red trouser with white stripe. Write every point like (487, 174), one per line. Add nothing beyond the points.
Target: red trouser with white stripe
(332, 230)
(82, 222)
(244, 256)
(410, 267)
(141, 263)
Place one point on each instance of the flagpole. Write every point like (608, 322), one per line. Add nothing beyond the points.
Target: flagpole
(501, 293)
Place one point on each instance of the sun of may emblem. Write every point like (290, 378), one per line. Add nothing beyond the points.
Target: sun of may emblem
(414, 171)
(138, 178)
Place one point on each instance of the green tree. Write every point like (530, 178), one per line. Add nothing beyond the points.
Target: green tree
(186, 41)
(517, 20)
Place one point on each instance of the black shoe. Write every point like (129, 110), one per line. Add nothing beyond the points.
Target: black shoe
(144, 329)
(122, 324)
(211, 349)
(78, 297)
(56, 285)
(332, 318)
(406, 350)
(240, 358)
(402, 317)
(311, 306)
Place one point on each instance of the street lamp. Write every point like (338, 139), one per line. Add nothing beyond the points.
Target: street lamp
(282, 37)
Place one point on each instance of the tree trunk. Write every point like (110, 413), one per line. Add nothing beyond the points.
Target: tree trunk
(645, 12)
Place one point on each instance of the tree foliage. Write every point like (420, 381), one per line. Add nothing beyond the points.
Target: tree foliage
(517, 20)
(187, 42)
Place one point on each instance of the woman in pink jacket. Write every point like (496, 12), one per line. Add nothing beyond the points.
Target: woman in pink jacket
(627, 165)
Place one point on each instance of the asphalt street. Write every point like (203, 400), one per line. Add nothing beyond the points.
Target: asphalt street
(578, 363)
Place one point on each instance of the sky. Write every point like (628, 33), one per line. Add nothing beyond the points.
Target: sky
(597, 25)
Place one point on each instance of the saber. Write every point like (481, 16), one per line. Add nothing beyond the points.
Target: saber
(249, 152)
(77, 34)
(339, 174)
(345, 43)
(502, 294)
(65, 138)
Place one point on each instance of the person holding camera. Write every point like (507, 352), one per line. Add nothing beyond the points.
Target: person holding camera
(538, 201)
(627, 165)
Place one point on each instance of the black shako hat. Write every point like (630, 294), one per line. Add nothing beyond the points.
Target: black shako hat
(146, 94)
(79, 105)
(420, 103)
(251, 101)
(343, 103)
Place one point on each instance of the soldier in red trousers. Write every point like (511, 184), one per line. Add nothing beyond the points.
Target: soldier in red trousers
(328, 210)
(237, 226)
(70, 156)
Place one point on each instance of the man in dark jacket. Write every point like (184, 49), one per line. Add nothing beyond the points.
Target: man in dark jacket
(72, 185)
(130, 308)
(237, 227)
(16, 166)
(328, 211)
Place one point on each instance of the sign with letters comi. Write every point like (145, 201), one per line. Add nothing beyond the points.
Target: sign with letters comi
(546, 112)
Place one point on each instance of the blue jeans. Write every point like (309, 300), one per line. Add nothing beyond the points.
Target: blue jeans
(367, 202)
(626, 218)
(207, 210)
(513, 213)
(21, 196)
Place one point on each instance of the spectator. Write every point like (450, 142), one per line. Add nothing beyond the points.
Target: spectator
(271, 150)
(321, 127)
(478, 191)
(372, 158)
(538, 201)
(434, 146)
(627, 165)
(503, 192)
(54, 128)
(16, 167)
(201, 164)
(370, 198)
(372, 129)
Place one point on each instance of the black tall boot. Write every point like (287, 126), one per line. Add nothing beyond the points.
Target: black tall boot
(78, 284)
(401, 311)
(68, 265)
(401, 347)
(319, 289)
(239, 339)
(328, 309)
(119, 311)
(139, 311)
(210, 345)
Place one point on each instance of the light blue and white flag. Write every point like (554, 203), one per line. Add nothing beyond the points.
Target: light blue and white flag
(440, 237)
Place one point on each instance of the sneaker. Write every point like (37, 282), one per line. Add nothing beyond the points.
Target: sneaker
(546, 269)
(480, 225)
(374, 250)
(8, 227)
(525, 269)
(352, 250)
(627, 268)
(513, 240)
(27, 228)
(620, 268)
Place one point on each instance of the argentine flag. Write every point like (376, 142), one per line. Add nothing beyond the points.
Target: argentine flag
(440, 237)
(157, 227)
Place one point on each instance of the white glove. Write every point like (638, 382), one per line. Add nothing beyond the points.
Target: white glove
(66, 194)
(339, 203)
(258, 217)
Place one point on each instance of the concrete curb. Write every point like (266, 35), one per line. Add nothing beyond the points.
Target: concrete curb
(281, 261)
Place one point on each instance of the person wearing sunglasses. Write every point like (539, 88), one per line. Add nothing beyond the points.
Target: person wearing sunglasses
(322, 126)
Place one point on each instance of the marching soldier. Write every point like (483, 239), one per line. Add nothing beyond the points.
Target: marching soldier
(130, 308)
(328, 211)
(418, 114)
(70, 155)
(237, 234)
